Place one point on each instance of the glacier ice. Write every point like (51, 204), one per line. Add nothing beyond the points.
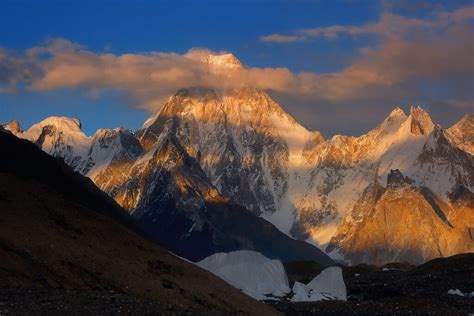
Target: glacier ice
(328, 285)
(250, 271)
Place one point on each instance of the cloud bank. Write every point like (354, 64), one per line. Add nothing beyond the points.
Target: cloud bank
(412, 58)
(389, 25)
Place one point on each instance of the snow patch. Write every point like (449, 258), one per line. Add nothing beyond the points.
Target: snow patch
(459, 293)
(455, 292)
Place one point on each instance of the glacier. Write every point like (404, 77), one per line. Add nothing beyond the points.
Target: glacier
(250, 271)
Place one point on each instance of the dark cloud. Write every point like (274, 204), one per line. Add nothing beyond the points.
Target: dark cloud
(15, 70)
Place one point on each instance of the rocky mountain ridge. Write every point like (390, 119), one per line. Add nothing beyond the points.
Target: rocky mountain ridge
(252, 153)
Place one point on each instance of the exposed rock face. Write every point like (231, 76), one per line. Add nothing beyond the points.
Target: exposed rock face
(319, 181)
(462, 133)
(347, 166)
(251, 153)
(115, 146)
(13, 126)
(177, 205)
(395, 179)
(246, 144)
(403, 223)
(421, 123)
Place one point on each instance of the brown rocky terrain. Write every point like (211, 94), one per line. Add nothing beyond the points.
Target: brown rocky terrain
(401, 222)
(393, 289)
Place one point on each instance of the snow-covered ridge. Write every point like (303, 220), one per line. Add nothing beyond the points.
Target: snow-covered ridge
(63, 124)
(60, 137)
(63, 137)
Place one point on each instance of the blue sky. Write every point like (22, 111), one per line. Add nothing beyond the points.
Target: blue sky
(177, 26)
(141, 27)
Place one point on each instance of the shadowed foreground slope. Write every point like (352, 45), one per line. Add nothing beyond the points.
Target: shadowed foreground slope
(59, 234)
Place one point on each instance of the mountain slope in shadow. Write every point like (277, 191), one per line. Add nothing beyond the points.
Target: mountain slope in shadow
(59, 232)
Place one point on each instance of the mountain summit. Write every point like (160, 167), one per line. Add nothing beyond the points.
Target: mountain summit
(13, 126)
(462, 133)
(227, 61)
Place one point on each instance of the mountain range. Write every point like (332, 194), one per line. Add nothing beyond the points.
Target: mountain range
(222, 170)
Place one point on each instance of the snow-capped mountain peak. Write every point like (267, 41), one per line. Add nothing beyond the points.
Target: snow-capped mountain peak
(397, 115)
(60, 136)
(13, 126)
(63, 137)
(66, 125)
(228, 61)
(391, 124)
(397, 140)
(420, 121)
(397, 111)
(462, 133)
